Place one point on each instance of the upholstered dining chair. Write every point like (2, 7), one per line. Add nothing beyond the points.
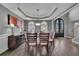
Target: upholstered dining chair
(32, 41)
(51, 39)
(44, 41)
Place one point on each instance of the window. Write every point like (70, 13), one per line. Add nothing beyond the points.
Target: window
(31, 27)
(44, 27)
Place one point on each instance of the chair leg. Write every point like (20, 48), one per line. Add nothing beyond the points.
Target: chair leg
(47, 50)
(50, 43)
(28, 50)
(53, 44)
(40, 50)
(25, 49)
(36, 49)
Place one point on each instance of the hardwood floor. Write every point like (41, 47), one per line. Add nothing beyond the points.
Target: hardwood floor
(63, 47)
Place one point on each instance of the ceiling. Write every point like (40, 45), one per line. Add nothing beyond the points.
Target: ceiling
(47, 11)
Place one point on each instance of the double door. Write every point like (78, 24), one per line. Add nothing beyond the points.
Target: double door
(59, 27)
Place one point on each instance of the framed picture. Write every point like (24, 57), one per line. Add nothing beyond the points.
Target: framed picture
(8, 19)
(12, 20)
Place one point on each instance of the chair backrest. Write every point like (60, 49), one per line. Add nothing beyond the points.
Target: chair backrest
(52, 35)
(44, 37)
(32, 37)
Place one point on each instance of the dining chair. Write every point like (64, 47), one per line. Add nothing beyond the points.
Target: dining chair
(25, 42)
(52, 39)
(44, 41)
(32, 41)
(51, 42)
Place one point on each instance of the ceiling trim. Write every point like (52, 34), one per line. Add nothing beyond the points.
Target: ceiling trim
(37, 17)
(64, 12)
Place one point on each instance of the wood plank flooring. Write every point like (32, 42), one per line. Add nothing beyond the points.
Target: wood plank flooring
(63, 47)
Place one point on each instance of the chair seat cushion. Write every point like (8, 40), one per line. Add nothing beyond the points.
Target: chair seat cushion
(32, 43)
(43, 43)
(50, 39)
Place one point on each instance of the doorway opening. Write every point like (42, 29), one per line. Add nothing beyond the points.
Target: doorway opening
(59, 27)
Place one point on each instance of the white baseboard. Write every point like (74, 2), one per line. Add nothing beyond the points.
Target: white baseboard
(75, 42)
(3, 50)
(68, 37)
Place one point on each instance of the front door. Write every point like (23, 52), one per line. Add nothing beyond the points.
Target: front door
(59, 27)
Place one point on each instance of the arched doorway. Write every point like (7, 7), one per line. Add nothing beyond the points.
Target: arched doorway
(59, 27)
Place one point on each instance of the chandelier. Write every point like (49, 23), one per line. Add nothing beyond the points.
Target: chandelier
(37, 24)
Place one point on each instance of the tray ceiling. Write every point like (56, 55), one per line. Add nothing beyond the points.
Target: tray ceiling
(47, 11)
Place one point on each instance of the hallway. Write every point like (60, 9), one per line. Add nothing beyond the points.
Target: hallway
(63, 47)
